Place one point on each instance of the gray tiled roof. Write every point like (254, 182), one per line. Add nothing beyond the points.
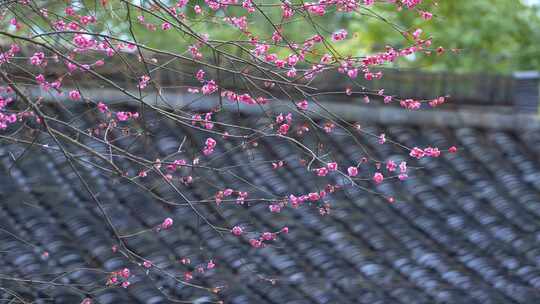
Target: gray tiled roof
(466, 228)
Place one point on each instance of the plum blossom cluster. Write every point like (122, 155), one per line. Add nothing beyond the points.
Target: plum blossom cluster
(195, 51)
(201, 268)
(177, 163)
(6, 118)
(171, 168)
(278, 164)
(38, 59)
(276, 207)
(85, 42)
(119, 278)
(322, 7)
(339, 35)
(122, 276)
(188, 275)
(419, 153)
(83, 19)
(6, 56)
(244, 98)
(285, 123)
(410, 4)
(353, 67)
(410, 104)
(289, 62)
(166, 224)
(204, 121)
(297, 201)
(378, 177)
(302, 105)
(120, 115)
(314, 198)
(263, 239)
(209, 146)
(45, 85)
(266, 237)
(13, 22)
(143, 82)
(72, 67)
(391, 166)
(352, 172)
(74, 95)
(330, 167)
(209, 87)
(437, 101)
(125, 116)
(224, 194)
(238, 22)
(426, 152)
(319, 8)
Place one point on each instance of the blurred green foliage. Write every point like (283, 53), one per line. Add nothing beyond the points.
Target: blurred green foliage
(498, 36)
(492, 35)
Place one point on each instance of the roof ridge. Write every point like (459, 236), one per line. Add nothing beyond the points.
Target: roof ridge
(498, 118)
